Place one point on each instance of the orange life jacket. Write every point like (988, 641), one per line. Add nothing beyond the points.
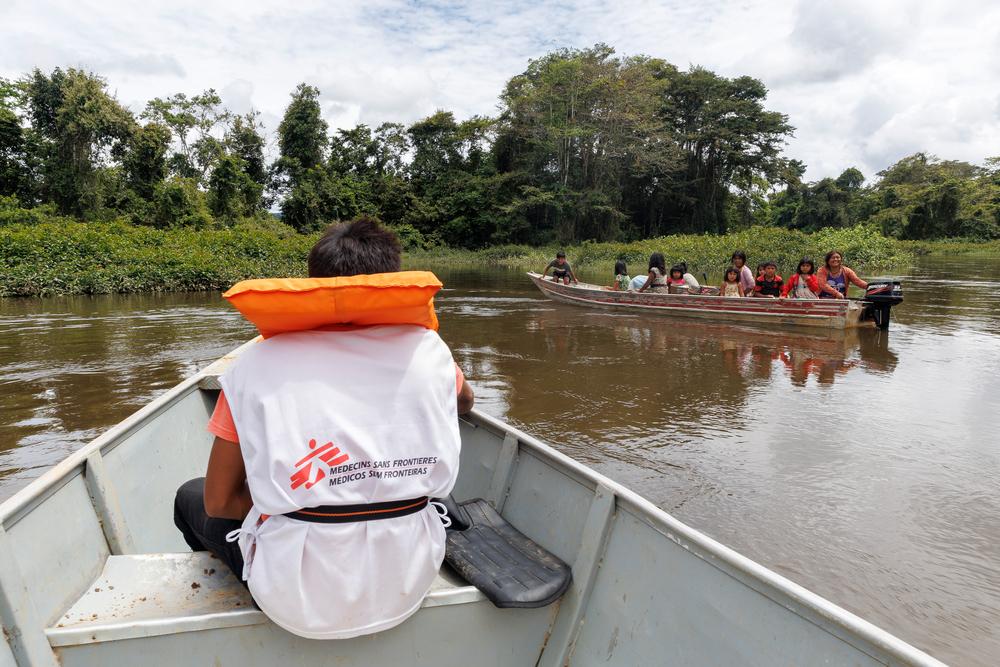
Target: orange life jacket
(280, 305)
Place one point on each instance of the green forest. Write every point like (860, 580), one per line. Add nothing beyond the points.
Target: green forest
(587, 145)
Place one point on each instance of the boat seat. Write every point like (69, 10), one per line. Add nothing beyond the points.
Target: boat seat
(508, 567)
(160, 594)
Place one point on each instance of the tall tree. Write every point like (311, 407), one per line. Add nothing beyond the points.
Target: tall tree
(725, 133)
(299, 174)
(145, 161)
(14, 171)
(923, 197)
(80, 125)
(244, 141)
(192, 121)
(302, 132)
(579, 130)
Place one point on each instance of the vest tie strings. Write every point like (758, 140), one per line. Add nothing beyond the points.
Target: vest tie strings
(442, 512)
(246, 535)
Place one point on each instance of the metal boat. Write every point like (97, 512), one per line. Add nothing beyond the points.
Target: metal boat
(823, 313)
(94, 574)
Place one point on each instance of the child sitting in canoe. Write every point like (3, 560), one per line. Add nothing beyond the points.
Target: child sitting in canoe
(731, 283)
(689, 279)
(803, 283)
(656, 279)
(676, 275)
(622, 281)
(561, 270)
(769, 283)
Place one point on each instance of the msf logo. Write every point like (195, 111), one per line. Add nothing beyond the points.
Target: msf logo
(327, 453)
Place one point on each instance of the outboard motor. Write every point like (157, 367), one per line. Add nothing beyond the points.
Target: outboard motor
(881, 295)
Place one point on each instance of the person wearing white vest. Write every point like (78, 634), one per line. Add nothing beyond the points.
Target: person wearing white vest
(328, 445)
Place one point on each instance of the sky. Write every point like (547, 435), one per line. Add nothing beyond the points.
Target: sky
(864, 83)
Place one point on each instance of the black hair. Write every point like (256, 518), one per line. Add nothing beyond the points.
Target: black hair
(810, 262)
(767, 264)
(657, 260)
(826, 260)
(684, 267)
(620, 269)
(677, 267)
(361, 246)
(739, 254)
(731, 269)
(560, 254)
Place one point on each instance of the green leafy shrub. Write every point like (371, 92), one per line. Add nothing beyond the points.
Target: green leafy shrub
(410, 237)
(52, 255)
(99, 258)
(177, 202)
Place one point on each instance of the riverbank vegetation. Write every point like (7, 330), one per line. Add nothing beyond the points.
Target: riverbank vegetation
(589, 149)
(63, 256)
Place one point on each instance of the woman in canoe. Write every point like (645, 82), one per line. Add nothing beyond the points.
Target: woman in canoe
(747, 278)
(657, 276)
(834, 277)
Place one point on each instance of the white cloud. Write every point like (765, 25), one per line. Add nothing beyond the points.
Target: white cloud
(865, 83)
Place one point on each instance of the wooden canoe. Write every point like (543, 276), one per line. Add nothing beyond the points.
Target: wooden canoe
(93, 572)
(822, 313)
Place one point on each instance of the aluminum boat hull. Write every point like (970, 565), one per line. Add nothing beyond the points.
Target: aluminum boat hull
(94, 574)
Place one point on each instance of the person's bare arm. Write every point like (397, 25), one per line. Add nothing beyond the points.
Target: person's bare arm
(649, 281)
(545, 272)
(853, 277)
(227, 495)
(466, 398)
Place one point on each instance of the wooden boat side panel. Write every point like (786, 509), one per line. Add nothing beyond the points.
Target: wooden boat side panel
(451, 636)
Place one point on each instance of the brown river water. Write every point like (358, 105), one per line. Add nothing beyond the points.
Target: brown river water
(865, 466)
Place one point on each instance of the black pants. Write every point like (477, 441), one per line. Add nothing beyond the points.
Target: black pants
(202, 532)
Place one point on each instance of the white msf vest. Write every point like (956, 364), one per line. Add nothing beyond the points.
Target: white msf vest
(344, 418)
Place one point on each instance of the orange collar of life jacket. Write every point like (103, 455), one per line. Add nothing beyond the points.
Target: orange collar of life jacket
(281, 305)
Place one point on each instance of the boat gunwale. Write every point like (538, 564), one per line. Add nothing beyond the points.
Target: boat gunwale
(672, 528)
(841, 306)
